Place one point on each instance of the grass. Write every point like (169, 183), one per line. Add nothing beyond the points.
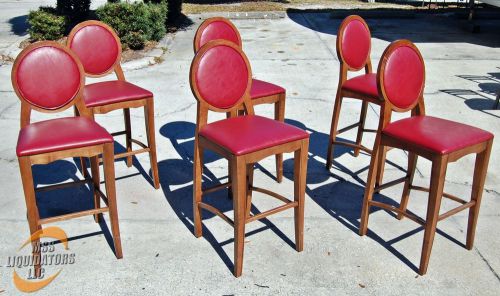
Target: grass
(201, 6)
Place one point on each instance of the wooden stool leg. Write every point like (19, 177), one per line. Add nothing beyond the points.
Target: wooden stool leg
(381, 166)
(150, 131)
(370, 187)
(31, 206)
(109, 176)
(480, 169)
(83, 166)
(128, 134)
(438, 175)
(333, 128)
(249, 188)
(197, 192)
(94, 166)
(412, 165)
(239, 196)
(300, 174)
(229, 179)
(279, 114)
(361, 127)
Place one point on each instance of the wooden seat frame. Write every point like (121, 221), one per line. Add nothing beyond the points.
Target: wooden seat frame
(147, 103)
(241, 169)
(438, 173)
(277, 99)
(345, 93)
(26, 162)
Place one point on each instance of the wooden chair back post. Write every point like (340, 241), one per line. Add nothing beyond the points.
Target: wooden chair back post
(220, 67)
(401, 79)
(49, 78)
(91, 37)
(216, 28)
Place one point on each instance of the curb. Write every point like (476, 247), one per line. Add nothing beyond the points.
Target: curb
(241, 15)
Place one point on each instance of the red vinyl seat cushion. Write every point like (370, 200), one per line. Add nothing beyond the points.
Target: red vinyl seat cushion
(435, 134)
(263, 89)
(363, 84)
(245, 134)
(110, 92)
(60, 134)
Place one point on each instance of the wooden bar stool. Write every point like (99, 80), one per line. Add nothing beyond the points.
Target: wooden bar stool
(99, 49)
(400, 77)
(49, 78)
(221, 79)
(353, 51)
(261, 92)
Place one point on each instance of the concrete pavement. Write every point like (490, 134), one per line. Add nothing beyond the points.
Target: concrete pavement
(161, 256)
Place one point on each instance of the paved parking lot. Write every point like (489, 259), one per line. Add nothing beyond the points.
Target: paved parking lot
(162, 256)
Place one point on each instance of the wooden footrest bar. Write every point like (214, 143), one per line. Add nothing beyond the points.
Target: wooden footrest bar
(272, 211)
(447, 195)
(353, 145)
(216, 212)
(72, 215)
(345, 129)
(216, 187)
(399, 211)
(133, 152)
(118, 133)
(456, 210)
(139, 143)
(271, 193)
(390, 184)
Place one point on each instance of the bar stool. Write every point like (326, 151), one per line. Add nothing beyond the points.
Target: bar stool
(47, 77)
(99, 49)
(353, 51)
(220, 80)
(401, 78)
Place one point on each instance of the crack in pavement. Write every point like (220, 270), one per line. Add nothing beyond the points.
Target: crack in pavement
(487, 264)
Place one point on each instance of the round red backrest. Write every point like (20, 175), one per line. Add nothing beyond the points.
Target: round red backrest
(222, 74)
(403, 73)
(355, 42)
(47, 77)
(218, 29)
(96, 46)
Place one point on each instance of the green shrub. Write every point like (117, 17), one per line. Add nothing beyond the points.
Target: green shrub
(132, 19)
(75, 10)
(46, 24)
(134, 40)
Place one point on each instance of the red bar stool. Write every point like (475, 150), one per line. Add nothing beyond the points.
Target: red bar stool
(48, 77)
(401, 76)
(261, 92)
(99, 49)
(353, 51)
(221, 79)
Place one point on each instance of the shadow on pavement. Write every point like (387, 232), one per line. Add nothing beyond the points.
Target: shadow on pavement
(420, 26)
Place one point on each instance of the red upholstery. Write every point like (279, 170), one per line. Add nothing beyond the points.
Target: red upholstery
(97, 49)
(48, 78)
(222, 76)
(355, 44)
(60, 134)
(365, 84)
(263, 89)
(110, 92)
(403, 77)
(218, 30)
(434, 134)
(246, 134)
